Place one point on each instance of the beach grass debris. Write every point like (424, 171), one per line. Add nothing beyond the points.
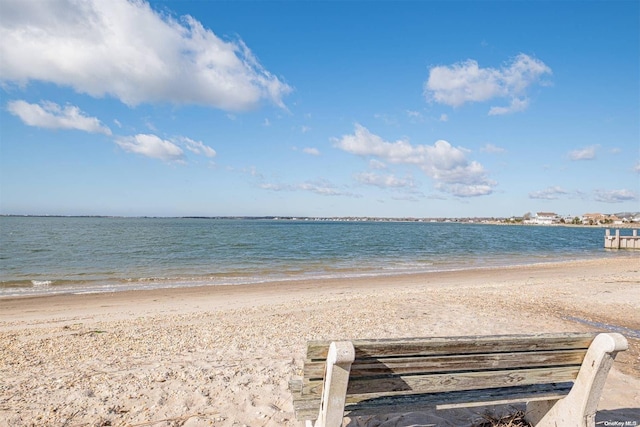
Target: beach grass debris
(512, 420)
(93, 331)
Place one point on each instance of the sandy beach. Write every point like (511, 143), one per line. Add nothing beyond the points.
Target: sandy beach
(223, 356)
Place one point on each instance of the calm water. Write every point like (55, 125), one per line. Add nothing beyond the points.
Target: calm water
(57, 255)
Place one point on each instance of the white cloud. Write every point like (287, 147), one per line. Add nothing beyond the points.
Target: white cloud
(463, 190)
(377, 164)
(149, 124)
(50, 115)
(273, 187)
(405, 197)
(197, 147)
(305, 129)
(312, 151)
(127, 50)
(586, 153)
(364, 143)
(464, 82)
(386, 119)
(251, 171)
(490, 148)
(515, 106)
(444, 118)
(549, 193)
(415, 116)
(151, 146)
(445, 164)
(383, 181)
(324, 188)
(636, 168)
(615, 196)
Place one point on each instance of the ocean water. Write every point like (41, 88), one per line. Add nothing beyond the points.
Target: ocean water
(47, 255)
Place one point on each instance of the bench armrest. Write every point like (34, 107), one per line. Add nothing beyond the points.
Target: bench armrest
(578, 409)
(336, 379)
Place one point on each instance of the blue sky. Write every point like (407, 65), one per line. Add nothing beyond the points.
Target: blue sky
(319, 108)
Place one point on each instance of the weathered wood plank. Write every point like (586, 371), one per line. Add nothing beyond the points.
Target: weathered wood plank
(307, 408)
(435, 383)
(295, 385)
(317, 350)
(434, 364)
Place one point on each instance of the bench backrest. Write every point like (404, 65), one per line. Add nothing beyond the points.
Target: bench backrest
(390, 367)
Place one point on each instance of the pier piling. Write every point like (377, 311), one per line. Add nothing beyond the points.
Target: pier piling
(618, 241)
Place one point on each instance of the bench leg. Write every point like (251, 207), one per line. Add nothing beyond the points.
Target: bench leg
(578, 408)
(334, 389)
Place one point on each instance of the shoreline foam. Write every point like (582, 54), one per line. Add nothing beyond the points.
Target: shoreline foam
(96, 286)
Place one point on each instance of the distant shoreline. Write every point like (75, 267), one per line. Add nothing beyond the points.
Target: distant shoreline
(452, 220)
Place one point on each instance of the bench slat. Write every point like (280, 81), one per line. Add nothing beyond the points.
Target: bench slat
(307, 408)
(317, 350)
(433, 364)
(450, 381)
(295, 385)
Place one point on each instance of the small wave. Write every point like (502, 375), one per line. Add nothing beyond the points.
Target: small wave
(41, 283)
(148, 279)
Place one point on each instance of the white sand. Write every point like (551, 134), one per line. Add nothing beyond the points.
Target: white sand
(223, 356)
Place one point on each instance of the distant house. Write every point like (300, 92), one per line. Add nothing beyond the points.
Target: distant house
(593, 218)
(546, 218)
(613, 219)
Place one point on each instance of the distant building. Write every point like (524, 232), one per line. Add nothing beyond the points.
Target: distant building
(593, 218)
(546, 218)
(613, 219)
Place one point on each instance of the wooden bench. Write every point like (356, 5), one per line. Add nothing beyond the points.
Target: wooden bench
(560, 376)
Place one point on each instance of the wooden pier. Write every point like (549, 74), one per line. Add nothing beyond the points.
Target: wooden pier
(621, 242)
